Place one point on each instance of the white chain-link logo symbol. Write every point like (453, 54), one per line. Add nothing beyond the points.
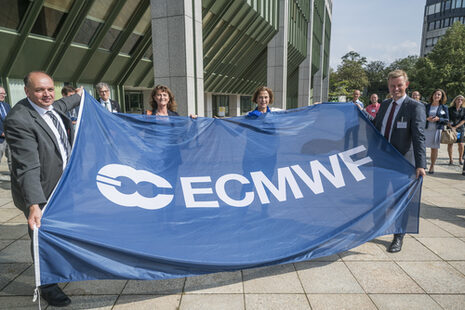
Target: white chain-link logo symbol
(107, 185)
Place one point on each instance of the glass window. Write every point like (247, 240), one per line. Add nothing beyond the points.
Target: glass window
(429, 42)
(435, 40)
(220, 105)
(149, 52)
(447, 22)
(110, 38)
(134, 102)
(48, 22)
(87, 31)
(12, 13)
(437, 7)
(144, 23)
(447, 5)
(246, 104)
(431, 26)
(456, 18)
(130, 43)
(438, 24)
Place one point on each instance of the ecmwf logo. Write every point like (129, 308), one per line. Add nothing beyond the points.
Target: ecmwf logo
(108, 186)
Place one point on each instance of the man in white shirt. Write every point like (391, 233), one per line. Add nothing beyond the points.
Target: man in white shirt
(103, 91)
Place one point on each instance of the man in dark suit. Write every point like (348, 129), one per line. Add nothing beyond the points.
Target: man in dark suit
(40, 136)
(103, 91)
(4, 109)
(401, 120)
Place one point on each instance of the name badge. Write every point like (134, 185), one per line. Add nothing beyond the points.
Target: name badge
(373, 111)
(401, 124)
(442, 113)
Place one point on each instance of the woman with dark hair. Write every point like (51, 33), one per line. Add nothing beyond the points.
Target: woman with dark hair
(162, 102)
(457, 121)
(437, 115)
(262, 97)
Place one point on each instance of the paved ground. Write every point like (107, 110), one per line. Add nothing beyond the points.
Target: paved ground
(429, 273)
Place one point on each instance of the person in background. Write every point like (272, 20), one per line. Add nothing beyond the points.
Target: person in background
(356, 100)
(437, 115)
(373, 108)
(456, 123)
(262, 97)
(4, 109)
(40, 136)
(401, 121)
(67, 91)
(417, 96)
(162, 102)
(104, 92)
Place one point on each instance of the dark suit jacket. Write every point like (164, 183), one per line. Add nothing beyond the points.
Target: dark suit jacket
(413, 113)
(442, 113)
(36, 160)
(114, 105)
(6, 106)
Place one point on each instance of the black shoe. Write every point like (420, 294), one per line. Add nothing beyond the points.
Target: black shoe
(54, 295)
(396, 244)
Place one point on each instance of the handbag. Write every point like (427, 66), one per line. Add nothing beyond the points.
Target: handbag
(448, 136)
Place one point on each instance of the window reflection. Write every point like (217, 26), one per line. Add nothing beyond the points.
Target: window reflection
(12, 13)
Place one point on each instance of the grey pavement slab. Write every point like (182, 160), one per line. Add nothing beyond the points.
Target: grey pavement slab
(341, 301)
(446, 248)
(276, 301)
(17, 252)
(412, 250)
(147, 302)
(369, 251)
(450, 302)
(212, 301)
(97, 287)
(435, 277)
(10, 271)
(12, 231)
(383, 277)
(275, 279)
(404, 301)
(155, 287)
(321, 277)
(219, 283)
(456, 228)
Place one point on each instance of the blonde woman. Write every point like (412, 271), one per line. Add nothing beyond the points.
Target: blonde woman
(456, 123)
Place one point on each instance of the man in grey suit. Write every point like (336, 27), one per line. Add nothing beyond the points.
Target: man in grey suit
(401, 120)
(40, 136)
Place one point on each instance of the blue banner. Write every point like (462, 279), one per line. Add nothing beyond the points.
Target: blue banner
(146, 197)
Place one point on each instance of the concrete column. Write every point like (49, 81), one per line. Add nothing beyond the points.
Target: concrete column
(305, 68)
(177, 48)
(318, 78)
(234, 105)
(277, 58)
(208, 105)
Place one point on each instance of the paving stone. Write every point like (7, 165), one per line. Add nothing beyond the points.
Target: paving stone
(323, 277)
(276, 301)
(366, 252)
(212, 301)
(9, 272)
(450, 302)
(222, 282)
(147, 302)
(23, 285)
(433, 213)
(340, 301)
(428, 229)
(5, 243)
(412, 250)
(456, 228)
(95, 287)
(155, 287)
(18, 303)
(383, 277)
(100, 302)
(275, 279)
(404, 301)
(20, 219)
(446, 248)
(8, 213)
(460, 266)
(12, 231)
(435, 277)
(331, 258)
(17, 252)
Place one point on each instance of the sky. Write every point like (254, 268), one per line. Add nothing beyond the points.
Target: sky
(383, 30)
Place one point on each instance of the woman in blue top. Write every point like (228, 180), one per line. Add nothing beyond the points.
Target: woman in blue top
(437, 115)
(263, 96)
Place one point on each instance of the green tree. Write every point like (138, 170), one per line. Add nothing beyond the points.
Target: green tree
(350, 75)
(376, 74)
(444, 67)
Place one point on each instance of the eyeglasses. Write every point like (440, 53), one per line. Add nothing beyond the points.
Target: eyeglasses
(105, 91)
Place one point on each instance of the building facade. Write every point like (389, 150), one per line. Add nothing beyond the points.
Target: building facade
(439, 15)
(211, 53)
